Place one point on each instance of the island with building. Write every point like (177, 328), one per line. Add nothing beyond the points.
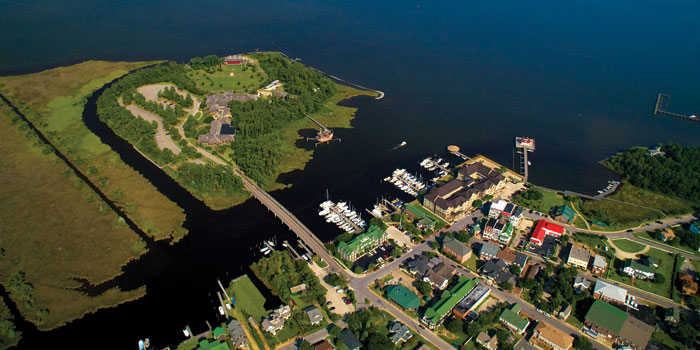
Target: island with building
(211, 120)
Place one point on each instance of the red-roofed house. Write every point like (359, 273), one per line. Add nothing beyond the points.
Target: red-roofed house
(544, 228)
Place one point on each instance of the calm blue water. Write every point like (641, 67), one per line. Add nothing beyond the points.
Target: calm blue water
(581, 77)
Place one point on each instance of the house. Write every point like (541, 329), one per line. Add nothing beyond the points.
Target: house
(205, 344)
(324, 345)
(511, 319)
(545, 228)
(436, 313)
(688, 284)
(235, 60)
(533, 271)
(505, 277)
(609, 292)
(499, 230)
(402, 296)
(219, 333)
(546, 336)
(563, 214)
(695, 227)
(399, 332)
(507, 255)
(642, 269)
(275, 321)
(599, 264)
(237, 334)
(350, 340)
(619, 325)
(362, 243)
(497, 208)
(440, 275)
(471, 301)
(581, 283)
(667, 234)
(297, 289)
(220, 132)
(487, 341)
(418, 266)
(565, 312)
(488, 251)
(521, 260)
(314, 314)
(672, 315)
(578, 256)
(273, 85)
(457, 249)
(492, 268)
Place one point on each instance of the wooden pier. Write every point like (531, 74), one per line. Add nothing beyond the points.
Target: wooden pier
(662, 105)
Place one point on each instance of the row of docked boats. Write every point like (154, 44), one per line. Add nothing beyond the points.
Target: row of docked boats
(612, 185)
(342, 215)
(406, 182)
(433, 164)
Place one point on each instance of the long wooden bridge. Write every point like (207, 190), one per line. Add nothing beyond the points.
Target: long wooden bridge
(662, 104)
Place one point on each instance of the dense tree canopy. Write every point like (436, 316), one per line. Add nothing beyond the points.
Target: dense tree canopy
(280, 272)
(208, 178)
(676, 173)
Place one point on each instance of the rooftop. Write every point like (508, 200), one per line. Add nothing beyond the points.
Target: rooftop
(510, 316)
(456, 246)
(554, 335)
(449, 298)
(402, 296)
(610, 291)
(578, 253)
(606, 316)
(488, 249)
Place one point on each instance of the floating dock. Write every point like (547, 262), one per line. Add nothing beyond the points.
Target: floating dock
(455, 150)
(524, 145)
(662, 105)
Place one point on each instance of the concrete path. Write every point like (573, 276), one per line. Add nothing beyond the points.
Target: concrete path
(162, 140)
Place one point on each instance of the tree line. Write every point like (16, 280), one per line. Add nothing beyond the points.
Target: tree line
(677, 173)
(207, 178)
(170, 93)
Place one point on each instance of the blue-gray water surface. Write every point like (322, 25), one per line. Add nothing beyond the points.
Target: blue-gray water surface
(581, 77)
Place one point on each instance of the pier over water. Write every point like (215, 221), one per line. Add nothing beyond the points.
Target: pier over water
(662, 105)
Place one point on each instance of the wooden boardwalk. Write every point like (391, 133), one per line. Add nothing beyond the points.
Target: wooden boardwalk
(662, 104)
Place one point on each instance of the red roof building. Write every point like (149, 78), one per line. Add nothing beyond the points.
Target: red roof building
(544, 228)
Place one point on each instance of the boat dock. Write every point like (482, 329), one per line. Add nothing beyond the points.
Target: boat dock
(662, 105)
(291, 249)
(524, 145)
(455, 150)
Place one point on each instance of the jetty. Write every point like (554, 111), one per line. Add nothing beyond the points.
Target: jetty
(455, 150)
(523, 145)
(324, 135)
(661, 109)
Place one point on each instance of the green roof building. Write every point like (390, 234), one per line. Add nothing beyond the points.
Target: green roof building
(510, 318)
(402, 296)
(435, 314)
(212, 345)
(605, 318)
(219, 333)
(457, 249)
(563, 213)
(362, 243)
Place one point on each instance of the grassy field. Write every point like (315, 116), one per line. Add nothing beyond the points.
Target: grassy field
(247, 297)
(473, 263)
(416, 206)
(53, 100)
(630, 213)
(331, 115)
(9, 336)
(56, 228)
(665, 268)
(242, 81)
(674, 243)
(549, 200)
(593, 243)
(628, 246)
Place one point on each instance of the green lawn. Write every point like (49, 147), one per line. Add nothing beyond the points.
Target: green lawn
(593, 243)
(417, 208)
(248, 298)
(675, 243)
(665, 268)
(473, 263)
(549, 199)
(242, 81)
(628, 246)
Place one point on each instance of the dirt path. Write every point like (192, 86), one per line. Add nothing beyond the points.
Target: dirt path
(150, 92)
(163, 140)
(579, 214)
(625, 255)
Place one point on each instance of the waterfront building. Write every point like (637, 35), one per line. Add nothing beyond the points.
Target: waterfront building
(471, 301)
(578, 256)
(510, 317)
(402, 296)
(237, 334)
(220, 132)
(488, 251)
(275, 321)
(563, 214)
(626, 330)
(436, 313)
(235, 60)
(362, 244)
(457, 249)
(609, 292)
(599, 264)
(545, 228)
(219, 333)
(205, 344)
(546, 336)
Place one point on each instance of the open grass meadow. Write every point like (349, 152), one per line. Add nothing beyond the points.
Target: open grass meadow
(53, 100)
(243, 80)
(9, 336)
(632, 206)
(594, 243)
(56, 228)
(628, 246)
(549, 200)
(248, 298)
(665, 268)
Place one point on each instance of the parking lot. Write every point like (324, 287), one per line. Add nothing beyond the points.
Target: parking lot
(335, 299)
(377, 257)
(549, 243)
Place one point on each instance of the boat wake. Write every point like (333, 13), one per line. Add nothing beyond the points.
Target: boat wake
(403, 143)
